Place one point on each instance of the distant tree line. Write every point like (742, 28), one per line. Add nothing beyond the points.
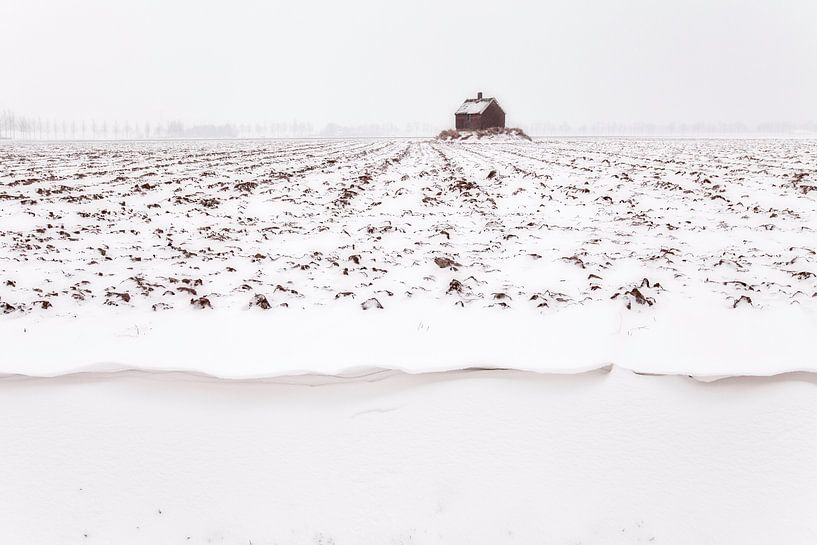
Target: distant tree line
(19, 127)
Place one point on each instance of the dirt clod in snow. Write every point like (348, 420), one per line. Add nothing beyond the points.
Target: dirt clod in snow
(201, 302)
(744, 299)
(445, 262)
(370, 304)
(121, 296)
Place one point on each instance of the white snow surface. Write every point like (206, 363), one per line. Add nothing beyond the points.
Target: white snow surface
(465, 457)
(663, 256)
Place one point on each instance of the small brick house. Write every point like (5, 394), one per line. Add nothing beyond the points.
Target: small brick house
(479, 113)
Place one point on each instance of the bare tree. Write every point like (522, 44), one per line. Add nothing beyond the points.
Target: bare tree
(12, 124)
(175, 129)
(3, 123)
(21, 126)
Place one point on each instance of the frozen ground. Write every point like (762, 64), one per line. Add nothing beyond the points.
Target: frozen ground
(687, 256)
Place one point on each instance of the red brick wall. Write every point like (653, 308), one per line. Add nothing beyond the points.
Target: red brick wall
(493, 116)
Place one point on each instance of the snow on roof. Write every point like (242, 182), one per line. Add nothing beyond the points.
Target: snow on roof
(474, 105)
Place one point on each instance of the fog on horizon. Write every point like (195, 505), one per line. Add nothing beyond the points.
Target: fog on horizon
(367, 62)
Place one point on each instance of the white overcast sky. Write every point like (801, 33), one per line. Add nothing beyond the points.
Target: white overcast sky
(375, 61)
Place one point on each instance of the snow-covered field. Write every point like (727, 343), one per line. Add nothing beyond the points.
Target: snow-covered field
(332, 342)
(701, 252)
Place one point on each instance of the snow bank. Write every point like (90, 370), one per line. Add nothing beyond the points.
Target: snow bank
(688, 338)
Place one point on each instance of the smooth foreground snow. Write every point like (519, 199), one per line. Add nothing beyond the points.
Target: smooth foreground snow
(258, 258)
(478, 458)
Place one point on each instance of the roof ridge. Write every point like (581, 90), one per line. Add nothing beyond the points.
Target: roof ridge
(475, 105)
